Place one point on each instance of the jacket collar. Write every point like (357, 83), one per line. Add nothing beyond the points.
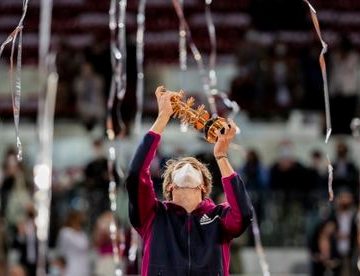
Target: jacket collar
(204, 206)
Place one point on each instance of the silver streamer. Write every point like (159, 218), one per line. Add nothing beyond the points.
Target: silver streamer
(212, 63)
(235, 109)
(326, 92)
(118, 61)
(121, 89)
(232, 105)
(43, 170)
(43, 51)
(182, 44)
(45, 124)
(140, 65)
(182, 61)
(323, 69)
(355, 127)
(135, 243)
(213, 55)
(114, 233)
(209, 77)
(44, 46)
(258, 245)
(115, 55)
(255, 226)
(197, 56)
(44, 32)
(15, 88)
(330, 179)
(117, 16)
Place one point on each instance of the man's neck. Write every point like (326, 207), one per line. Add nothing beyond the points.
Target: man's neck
(187, 198)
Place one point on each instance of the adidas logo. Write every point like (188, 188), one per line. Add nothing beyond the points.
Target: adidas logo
(206, 220)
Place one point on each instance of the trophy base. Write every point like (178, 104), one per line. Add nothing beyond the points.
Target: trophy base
(211, 128)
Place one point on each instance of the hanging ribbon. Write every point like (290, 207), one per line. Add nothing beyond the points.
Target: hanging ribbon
(323, 69)
(182, 60)
(232, 105)
(197, 56)
(255, 226)
(209, 78)
(355, 127)
(45, 123)
(117, 241)
(43, 169)
(44, 46)
(15, 87)
(140, 65)
(258, 245)
(330, 179)
(326, 92)
(213, 45)
(117, 17)
(118, 60)
(182, 44)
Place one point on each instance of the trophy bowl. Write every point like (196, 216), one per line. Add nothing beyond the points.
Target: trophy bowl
(212, 126)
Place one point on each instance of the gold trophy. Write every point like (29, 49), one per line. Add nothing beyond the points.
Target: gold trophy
(199, 118)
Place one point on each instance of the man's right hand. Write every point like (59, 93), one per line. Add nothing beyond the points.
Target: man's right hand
(164, 102)
(165, 109)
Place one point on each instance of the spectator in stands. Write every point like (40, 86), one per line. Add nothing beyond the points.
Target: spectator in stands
(12, 173)
(289, 175)
(345, 172)
(26, 243)
(254, 172)
(99, 55)
(73, 245)
(247, 86)
(15, 193)
(322, 246)
(89, 88)
(346, 231)
(344, 86)
(285, 78)
(318, 173)
(97, 182)
(16, 270)
(336, 243)
(67, 64)
(290, 188)
(318, 162)
(57, 266)
(3, 247)
(313, 98)
(256, 177)
(104, 263)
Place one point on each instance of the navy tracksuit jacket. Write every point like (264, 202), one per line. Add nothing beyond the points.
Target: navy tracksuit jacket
(177, 243)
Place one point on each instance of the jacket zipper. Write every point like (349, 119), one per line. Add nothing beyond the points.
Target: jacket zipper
(189, 252)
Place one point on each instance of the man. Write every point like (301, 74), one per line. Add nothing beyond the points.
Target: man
(187, 234)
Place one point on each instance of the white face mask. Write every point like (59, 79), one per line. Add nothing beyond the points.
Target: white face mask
(187, 177)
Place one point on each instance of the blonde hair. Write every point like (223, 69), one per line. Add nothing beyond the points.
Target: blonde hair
(173, 164)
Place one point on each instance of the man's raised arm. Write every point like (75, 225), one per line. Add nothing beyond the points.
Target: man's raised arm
(238, 214)
(142, 199)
